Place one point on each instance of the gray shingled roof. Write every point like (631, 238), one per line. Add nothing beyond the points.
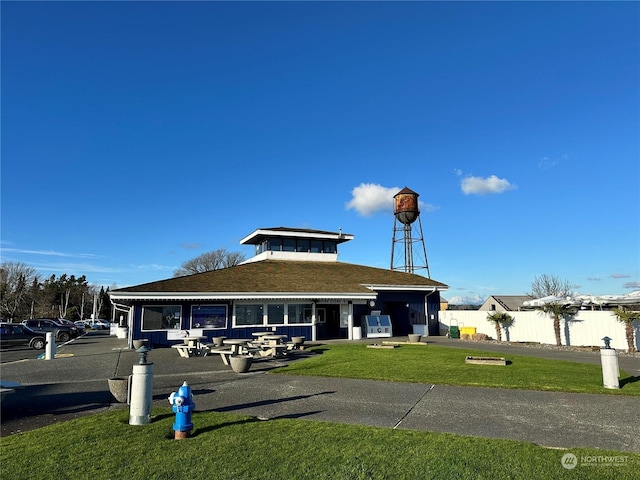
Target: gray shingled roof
(511, 302)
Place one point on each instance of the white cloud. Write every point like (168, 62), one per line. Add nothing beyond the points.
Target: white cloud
(50, 253)
(483, 186)
(153, 267)
(620, 275)
(191, 245)
(74, 268)
(548, 162)
(631, 285)
(368, 198)
(462, 300)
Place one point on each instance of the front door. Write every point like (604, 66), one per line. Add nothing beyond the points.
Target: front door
(328, 322)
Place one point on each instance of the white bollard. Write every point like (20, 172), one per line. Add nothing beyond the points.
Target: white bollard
(610, 369)
(50, 347)
(140, 394)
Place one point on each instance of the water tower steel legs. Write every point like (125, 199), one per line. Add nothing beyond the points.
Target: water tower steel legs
(414, 248)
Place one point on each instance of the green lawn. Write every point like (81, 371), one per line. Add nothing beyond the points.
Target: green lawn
(445, 366)
(234, 447)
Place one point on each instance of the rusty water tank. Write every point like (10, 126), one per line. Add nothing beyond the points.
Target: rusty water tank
(406, 206)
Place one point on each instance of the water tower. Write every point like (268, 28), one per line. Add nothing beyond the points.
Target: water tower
(408, 251)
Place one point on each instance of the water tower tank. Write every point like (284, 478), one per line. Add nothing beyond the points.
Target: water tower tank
(406, 206)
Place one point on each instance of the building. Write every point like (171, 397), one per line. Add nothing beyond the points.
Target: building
(504, 303)
(293, 285)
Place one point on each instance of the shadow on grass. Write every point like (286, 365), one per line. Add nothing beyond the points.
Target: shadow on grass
(628, 380)
(211, 428)
(317, 350)
(219, 426)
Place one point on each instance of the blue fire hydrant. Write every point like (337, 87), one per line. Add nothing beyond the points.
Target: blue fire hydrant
(183, 405)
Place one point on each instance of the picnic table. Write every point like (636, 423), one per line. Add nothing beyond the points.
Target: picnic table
(193, 341)
(192, 347)
(272, 345)
(238, 345)
(260, 335)
(231, 346)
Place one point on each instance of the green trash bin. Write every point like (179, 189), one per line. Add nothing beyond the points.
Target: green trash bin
(454, 332)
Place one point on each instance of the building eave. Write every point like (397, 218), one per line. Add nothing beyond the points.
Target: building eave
(229, 296)
(262, 233)
(419, 288)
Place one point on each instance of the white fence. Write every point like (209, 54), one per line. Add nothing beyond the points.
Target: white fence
(587, 328)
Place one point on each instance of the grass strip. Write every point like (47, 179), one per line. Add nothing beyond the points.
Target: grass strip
(445, 366)
(235, 447)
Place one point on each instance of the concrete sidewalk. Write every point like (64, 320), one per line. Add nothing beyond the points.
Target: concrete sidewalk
(70, 386)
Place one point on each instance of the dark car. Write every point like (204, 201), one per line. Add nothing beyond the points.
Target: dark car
(17, 334)
(63, 333)
(69, 323)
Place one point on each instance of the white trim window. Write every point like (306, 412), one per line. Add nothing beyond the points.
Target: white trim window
(161, 317)
(249, 315)
(276, 313)
(271, 314)
(209, 317)
(297, 313)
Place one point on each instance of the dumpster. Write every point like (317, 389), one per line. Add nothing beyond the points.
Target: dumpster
(454, 332)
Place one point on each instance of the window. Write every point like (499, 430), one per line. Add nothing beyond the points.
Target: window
(209, 316)
(274, 244)
(303, 245)
(249, 314)
(161, 317)
(289, 245)
(320, 314)
(329, 246)
(297, 313)
(316, 246)
(275, 314)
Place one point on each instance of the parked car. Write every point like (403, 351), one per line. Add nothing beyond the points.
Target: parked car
(63, 321)
(17, 334)
(63, 333)
(81, 328)
(98, 324)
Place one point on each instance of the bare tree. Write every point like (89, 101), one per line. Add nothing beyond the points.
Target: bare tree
(206, 262)
(232, 259)
(545, 285)
(16, 279)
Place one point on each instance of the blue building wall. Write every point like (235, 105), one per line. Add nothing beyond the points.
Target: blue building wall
(405, 309)
(159, 337)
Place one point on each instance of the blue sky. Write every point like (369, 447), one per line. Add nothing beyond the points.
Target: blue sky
(138, 135)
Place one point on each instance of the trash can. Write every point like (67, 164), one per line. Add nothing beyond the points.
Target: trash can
(454, 332)
(357, 333)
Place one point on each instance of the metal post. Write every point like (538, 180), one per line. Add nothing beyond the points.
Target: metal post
(141, 390)
(50, 351)
(610, 368)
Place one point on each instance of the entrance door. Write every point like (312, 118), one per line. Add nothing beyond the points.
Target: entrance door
(399, 314)
(328, 322)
